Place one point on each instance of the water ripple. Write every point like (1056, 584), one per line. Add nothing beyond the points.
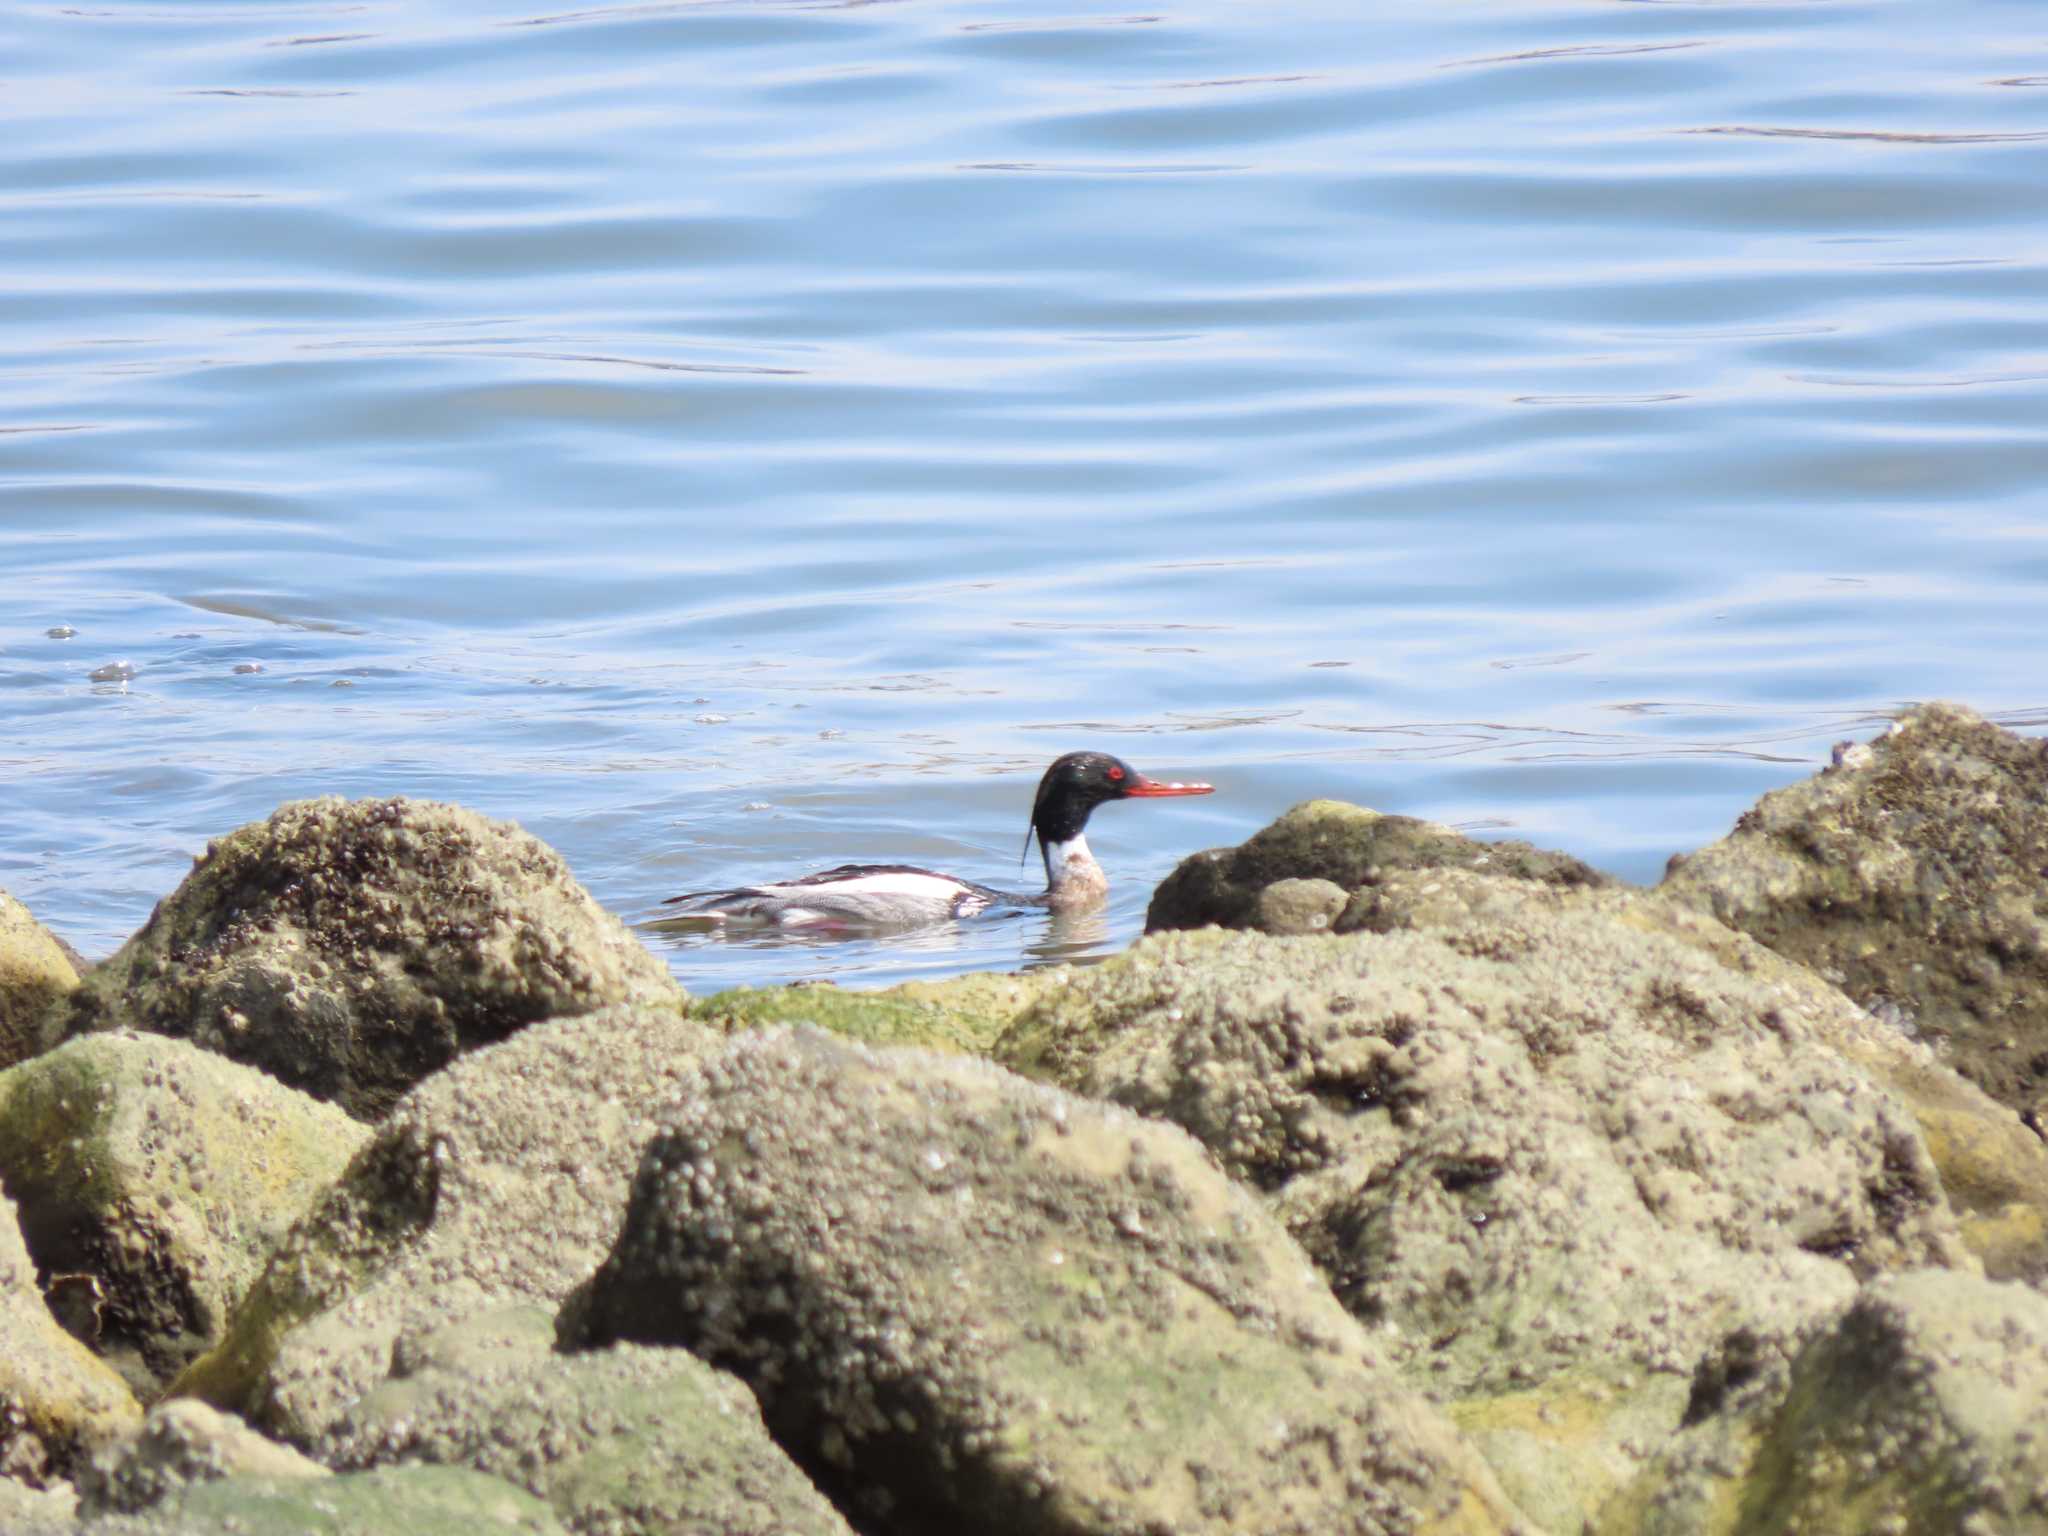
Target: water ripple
(730, 435)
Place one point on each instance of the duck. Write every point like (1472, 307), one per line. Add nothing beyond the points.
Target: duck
(884, 896)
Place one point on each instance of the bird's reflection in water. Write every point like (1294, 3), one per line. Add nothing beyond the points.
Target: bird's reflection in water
(678, 932)
(1067, 938)
(707, 956)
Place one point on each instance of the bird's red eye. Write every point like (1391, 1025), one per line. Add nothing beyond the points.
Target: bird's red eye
(1115, 774)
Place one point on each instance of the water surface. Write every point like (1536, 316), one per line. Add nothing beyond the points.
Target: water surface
(734, 438)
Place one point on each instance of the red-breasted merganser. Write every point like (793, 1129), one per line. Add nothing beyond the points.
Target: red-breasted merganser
(904, 896)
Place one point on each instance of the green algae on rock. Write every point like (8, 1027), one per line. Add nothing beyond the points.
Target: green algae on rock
(154, 1178)
(618, 1439)
(1913, 874)
(1919, 1409)
(58, 1401)
(1336, 845)
(419, 1501)
(36, 974)
(349, 948)
(962, 1013)
(499, 1179)
(969, 1301)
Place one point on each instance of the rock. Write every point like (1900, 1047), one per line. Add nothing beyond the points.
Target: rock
(58, 1401)
(182, 1442)
(350, 948)
(1339, 845)
(1299, 906)
(1920, 1410)
(26, 1511)
(419, 1501)
(154, 1178)
(1993, 1168)
(969, 1302)
(626, 1438)
(1546, 1141)
(1915, 876)
(961, 1013)
(500, 1179)
(35, 975)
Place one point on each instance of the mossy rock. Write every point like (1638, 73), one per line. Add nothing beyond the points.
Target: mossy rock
(625, 1438)
(1916, 1408)
(180, 1443)
(37, 972)
(498, 1180)
(1554, 1143)
(970, 1302)
(59, 1402)
(420, 1501)
(963, 1014)
(154, 1179)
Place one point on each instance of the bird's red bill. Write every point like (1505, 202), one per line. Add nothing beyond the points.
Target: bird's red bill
(1154, 787)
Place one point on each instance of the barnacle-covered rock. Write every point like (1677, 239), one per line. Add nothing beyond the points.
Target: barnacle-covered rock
(968, 1301)
(349, 948)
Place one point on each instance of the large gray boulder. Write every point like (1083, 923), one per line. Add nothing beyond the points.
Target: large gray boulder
(500, 1179)
(1914, 875)
(625, 1439)
(969, 1302)
(350, 948)
(154, 1178)
(1549, 1142)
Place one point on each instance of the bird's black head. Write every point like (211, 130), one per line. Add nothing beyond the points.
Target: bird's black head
(1077, 783)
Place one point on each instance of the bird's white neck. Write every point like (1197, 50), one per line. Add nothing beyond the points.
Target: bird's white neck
(1072, 877)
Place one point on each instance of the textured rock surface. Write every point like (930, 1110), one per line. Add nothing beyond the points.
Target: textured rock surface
(351, 948)
(155, 1177)
(182, 1442)
(26, 1511)
(1546, 1141)
(35, 974)
(58, 1400)
(1914, 874)
(1920, 1410)
(966, 1301)
(621, 1439)
(1326, 844)
(418, 1501)
(501, 1178)
(961, 1013)
(1994, 1168)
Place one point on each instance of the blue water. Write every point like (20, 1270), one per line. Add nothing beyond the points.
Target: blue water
(731, 438)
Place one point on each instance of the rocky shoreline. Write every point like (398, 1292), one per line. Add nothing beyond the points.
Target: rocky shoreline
(1394, 1182)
